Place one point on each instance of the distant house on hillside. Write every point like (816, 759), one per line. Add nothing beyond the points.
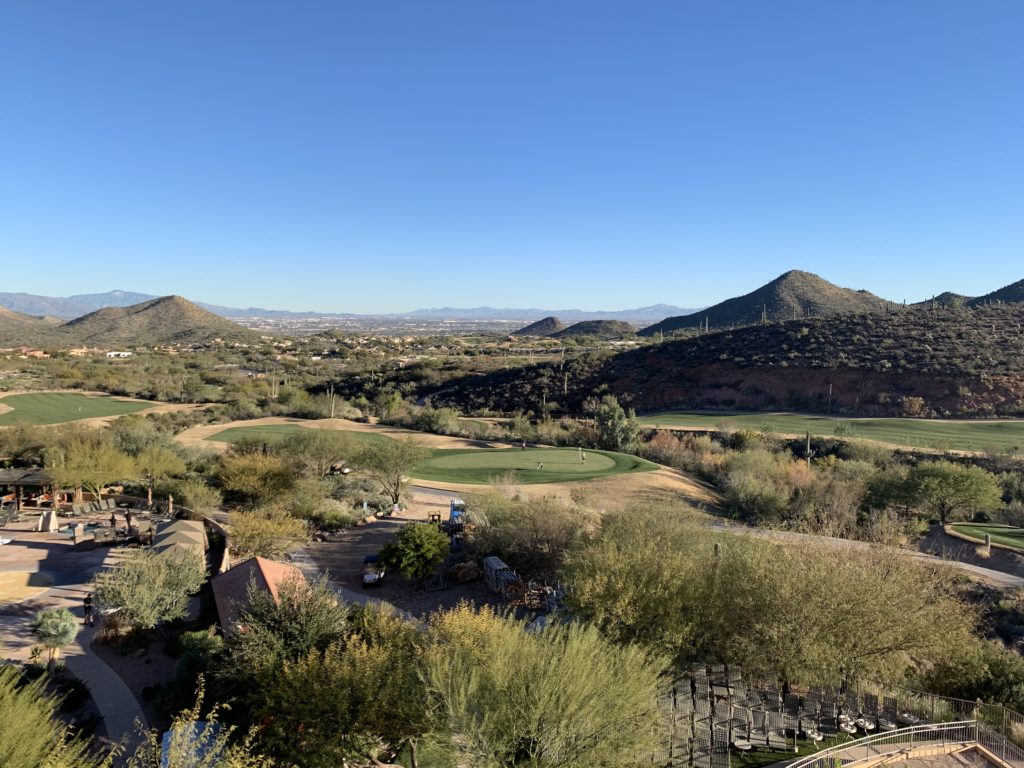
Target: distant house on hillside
(231, 588)
(118, 354)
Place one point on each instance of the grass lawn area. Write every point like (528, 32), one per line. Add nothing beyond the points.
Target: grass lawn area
(759, 757)
(978, 435)
(480, 466)
(1001, 534)
(59, 407)
(271, 432)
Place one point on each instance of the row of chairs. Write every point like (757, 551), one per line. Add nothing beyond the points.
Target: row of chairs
(92, 507)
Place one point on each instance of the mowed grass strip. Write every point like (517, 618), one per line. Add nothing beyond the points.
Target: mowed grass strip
(478, 466)
(60, 407)
(272, 432)
(1001, 534)
(980, 435)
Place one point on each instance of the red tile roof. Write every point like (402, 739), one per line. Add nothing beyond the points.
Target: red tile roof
(231, 588)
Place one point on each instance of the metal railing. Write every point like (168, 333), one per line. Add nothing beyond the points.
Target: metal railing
(892, 743)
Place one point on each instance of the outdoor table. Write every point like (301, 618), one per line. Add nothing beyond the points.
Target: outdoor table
(909, 718)
(887, 725)
(742, 745)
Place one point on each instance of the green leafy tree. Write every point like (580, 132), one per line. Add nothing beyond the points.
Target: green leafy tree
(148, 587)
(953, 490)
(617, 429)
(89, 461)
(32, 735)
(266, 532)
(198, 496)
(315, 451)
(302, 618)
(773, 609)
(417, 550)
(54, 630)
(562, 697)
(388, 463)
(157, 463)
(255, 477)
(371, 701)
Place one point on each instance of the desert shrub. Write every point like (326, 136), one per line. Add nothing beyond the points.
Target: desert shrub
(757, 485)
(531, 536)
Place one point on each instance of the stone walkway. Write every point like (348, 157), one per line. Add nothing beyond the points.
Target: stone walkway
(71, 572)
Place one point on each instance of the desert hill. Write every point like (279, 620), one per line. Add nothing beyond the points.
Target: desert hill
(1014, 292)
(792, 295)
(545, 327)
(162, 321)
(946, 361)
(602, 328)
(18, 329)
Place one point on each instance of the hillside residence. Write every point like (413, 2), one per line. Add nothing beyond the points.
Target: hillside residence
(119, 354)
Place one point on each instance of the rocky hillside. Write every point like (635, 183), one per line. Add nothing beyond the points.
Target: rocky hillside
(18, 329)
(166, 321)
(163, 321)
(545, 327)
(790, 296)
(606, 329)
(947, 361)
(1010, 293)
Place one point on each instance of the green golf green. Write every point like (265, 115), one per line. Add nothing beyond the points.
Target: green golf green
(59, 407)
(979, 435)
(1001, 534)
(270, 432)
(534, 465)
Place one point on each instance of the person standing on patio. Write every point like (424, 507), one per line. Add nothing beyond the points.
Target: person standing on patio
(87, 610)
(113, 519)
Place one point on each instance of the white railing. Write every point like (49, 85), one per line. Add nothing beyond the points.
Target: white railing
(891, 743)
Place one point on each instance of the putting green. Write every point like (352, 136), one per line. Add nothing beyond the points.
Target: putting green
(59, 407)
(1001, 534)
(482, 465)
(977, 435)
(271, 432)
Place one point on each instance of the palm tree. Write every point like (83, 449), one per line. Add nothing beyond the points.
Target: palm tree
(55, 629)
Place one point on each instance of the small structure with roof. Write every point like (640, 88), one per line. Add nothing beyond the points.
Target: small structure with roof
(179, 536)
(231, 588)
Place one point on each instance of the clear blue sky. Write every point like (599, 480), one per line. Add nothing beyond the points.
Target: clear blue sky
(386, 155)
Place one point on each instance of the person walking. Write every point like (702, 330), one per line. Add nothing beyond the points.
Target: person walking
(113, 519)
(87, 610)
(583, 457)
(128, 518)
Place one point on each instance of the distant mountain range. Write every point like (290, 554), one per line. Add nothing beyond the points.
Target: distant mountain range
(639, 316)
(136, 319)
(75, 306)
